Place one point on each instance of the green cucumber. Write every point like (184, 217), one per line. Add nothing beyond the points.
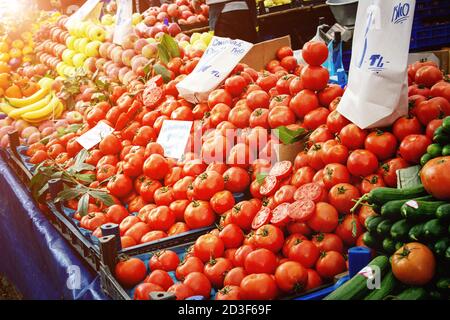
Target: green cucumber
(419, 210)
(400, 229)
(443, 284)
(434, 150)
(442, 139)
(441, 245)
(391, 209)
(425, 158)
(387, 285)
(389, 245)
(433, 229)
(446, 124)
(372, 222)
(382, 195)
(384, 227)
(412, 293)
(356, 288)
(370, 240)
(447, 254)
(446, 150)
(443, 212)
(416, 232)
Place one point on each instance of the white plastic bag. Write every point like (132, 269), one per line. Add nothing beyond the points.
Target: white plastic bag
(84, 12)
(124, 25)
(219, 59)
(377, 91)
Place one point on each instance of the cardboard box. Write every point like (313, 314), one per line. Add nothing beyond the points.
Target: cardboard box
(441, 57)
(288, 151)
(263, 52)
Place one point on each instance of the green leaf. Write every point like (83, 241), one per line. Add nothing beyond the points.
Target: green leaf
(261, 176)
(159, 69)
(147, 68)
(163, 54)
(85, 177)
(103, 196)
(83, 204)
(69, 194)
(171, 46)
(288, 136)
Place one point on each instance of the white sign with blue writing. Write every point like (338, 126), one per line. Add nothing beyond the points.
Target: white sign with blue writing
(219, 59)
(173, 137)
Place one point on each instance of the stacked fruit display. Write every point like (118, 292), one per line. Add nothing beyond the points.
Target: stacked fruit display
(180, 11)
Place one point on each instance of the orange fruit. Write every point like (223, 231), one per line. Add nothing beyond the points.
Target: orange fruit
(13, 92)
(4, 80)
(2, 92)
(30, 88)
(4, 67)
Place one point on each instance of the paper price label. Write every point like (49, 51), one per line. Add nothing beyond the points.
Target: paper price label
(173, 137)
(95, 135)
(82, 13)
(124, 24)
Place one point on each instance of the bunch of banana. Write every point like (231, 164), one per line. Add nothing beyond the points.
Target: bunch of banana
(36, 108)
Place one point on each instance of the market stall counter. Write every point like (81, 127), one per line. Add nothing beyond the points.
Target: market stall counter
(35, 257)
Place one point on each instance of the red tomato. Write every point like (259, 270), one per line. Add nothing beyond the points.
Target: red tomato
(258, 99)
(219, 96)
(434, 108)
(324, 219)
(432, 126)
(130, 272)
(160, 218)
(116, 213)
(349, 229)
(413, 147)
(260, 261)
(342, 197)
(314, 280)
(216, 269)
(235, 85)
(303, 102)
(160, 278)
(267, 81)
(259, 286)
(315, 53)
(198, 283)
(333, 152)
(382, 144)
(236, 179)
(330, 93)
(181, 291)
(362, 163)
(315, 118)
(120, 185)
(291, 277)
(188, 265)
(352, 137)
(156, 167)
(232, 236)
(280, 116)
(335, 121)
(371, 182)
(269, 237)
(166, 260)
(335, 173)
(330, 264)
(311, 191)
(405, 126)
(428, 75)
(302, 176)
(199, 214)
(240, 255)
(328, 242)
(243, 214)
(305, 252)
(315, 77)
(301, 210)
(234, 277)
(208, 246)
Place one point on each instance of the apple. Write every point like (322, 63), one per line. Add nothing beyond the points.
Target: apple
(186, 14)
(162, 15)
(128, 77)
(174, 29)
(173, 10)
(28, 131)
(78, 60)
(100, 63)
(82, 44)
(90, 64)
(159, 35)
(92, 48)
(139, 44)
(34, 137)
(74, 117)
(163, 7)
(192, 20)
(116, 54)
(67, 56)
(127, 55)
(96, 33)
(109, 50)
(136, 18)
(107, 19)
(122, 73)
(150, 20)
(137, 62)
(150, 50)
(129, 41)
(103, 49)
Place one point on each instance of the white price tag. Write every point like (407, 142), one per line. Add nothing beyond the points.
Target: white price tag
(82, 13)
(173, 137)
(95, 135)
(124, 25)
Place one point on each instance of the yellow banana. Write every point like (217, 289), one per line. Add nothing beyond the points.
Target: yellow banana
(46, 86)
(46, 111)
(6, 108)
(59, 109)
(17, 112)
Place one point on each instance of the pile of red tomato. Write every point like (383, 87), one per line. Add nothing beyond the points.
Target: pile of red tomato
(293, 232)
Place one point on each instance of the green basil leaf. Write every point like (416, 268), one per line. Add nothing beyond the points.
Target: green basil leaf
(83, 204)
(103, 196)
(171, 46)
(159, 69)
(163, 54)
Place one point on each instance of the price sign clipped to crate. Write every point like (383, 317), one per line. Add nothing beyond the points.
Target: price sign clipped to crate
(90, 9)
(219, 59)
(173, 137)
(124, 24)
